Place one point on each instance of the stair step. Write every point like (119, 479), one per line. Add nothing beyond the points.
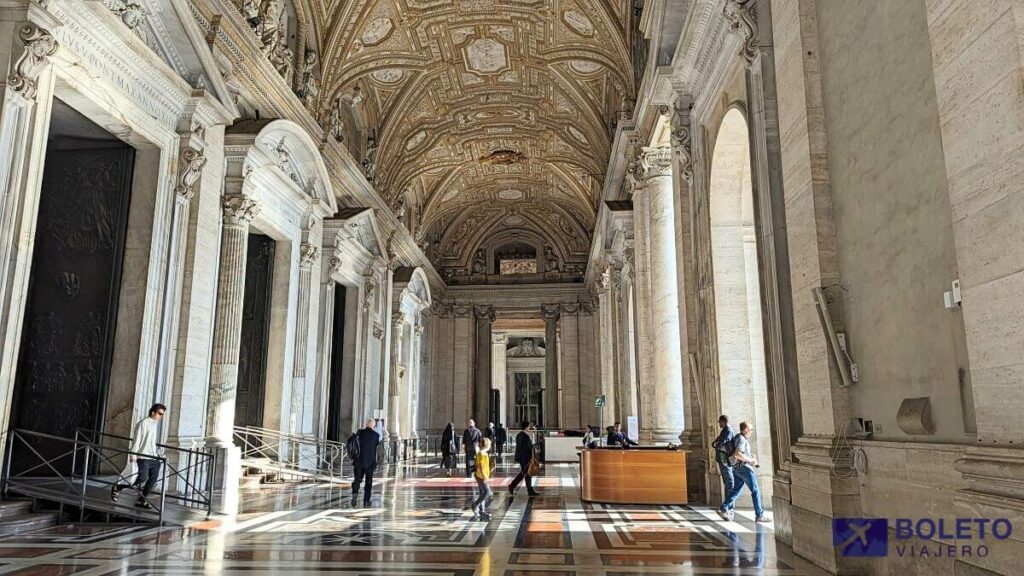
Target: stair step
(12, 508)
(28, 522)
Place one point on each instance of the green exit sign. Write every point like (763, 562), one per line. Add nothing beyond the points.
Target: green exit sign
(599, 401)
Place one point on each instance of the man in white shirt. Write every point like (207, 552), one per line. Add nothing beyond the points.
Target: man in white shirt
(144, 452)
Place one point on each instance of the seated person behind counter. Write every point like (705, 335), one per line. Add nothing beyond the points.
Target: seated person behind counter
(617, 438)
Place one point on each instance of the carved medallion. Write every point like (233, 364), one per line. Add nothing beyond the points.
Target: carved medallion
(578, 22)
(585, 66)
(416, 139)
(377, 31)
(486, 56)
(511, 195)
(388, 75)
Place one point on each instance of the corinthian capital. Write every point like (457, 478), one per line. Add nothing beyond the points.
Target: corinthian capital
(239, 210)
(656, 161)
(39, 46)
(550, 311)
(484, 312)
(742, 18)
(190, 168)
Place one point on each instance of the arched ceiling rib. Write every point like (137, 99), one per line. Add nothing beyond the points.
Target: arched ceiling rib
(484, 104)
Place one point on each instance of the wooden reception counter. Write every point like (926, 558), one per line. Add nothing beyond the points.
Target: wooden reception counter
(633, 476)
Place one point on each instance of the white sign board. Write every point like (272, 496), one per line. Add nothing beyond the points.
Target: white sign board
(632, 428)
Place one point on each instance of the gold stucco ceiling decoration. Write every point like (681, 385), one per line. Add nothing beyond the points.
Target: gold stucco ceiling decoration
(469, 92)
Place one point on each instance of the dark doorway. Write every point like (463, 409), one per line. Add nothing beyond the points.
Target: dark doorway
(496, 406)
(252, 358)
(71, 310)
(334, 408)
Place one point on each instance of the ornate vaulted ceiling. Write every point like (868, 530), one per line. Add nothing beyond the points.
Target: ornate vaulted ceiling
(490, 116)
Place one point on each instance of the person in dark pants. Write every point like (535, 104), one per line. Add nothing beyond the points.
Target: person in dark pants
(449, 450)
(145, 453)
(366, 462)
(723, 446)
(500, 439)
(523, 455)
(470, 442)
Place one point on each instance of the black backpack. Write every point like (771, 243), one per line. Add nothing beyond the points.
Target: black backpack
(352, 447)
(724, 452)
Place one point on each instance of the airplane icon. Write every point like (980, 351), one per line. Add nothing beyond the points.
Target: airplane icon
(860, 532)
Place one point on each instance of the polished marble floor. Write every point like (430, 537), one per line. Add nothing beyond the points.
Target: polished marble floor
(419, 523)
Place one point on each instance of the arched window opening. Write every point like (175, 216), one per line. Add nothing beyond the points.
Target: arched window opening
(516, 258)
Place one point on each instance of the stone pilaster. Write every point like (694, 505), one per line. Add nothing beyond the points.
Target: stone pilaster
(308, 255)
(550, 313)
(27, 99)
(414, 379)
(394, 388)
(664, 401)
(609, 351)
(499, 372)
(482, 373)
(571, 368)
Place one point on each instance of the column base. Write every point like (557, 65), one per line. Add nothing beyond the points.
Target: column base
(226, 476)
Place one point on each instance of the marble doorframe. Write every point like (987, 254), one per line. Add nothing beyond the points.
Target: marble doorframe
(88, 67)
(410, 299)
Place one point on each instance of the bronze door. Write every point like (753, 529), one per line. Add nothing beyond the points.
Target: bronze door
(252, 358)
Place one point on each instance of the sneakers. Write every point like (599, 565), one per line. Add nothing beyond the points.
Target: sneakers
(534, 493)
(114, 493)
(722, 514)
(762, 520)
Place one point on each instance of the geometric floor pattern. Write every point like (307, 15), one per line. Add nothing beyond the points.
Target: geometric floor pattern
(419, 524)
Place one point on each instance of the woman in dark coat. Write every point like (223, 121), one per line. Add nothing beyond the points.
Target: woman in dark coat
(448, 449)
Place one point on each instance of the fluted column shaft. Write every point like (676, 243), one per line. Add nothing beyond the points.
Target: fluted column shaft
(308, 255)
(394, 389)
(227, 332)
(609, 350)
(499, 370)
(665, 400)
(550, 313)
(415, 369)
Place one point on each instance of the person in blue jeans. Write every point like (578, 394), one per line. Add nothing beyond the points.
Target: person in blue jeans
(745, 473)
(723, 451)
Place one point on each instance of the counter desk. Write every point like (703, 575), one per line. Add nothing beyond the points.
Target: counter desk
(639, 475)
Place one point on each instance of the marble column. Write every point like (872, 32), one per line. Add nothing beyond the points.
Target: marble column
(220, 418)
(308, 255)
(395, 385)
(550, 313)
(482, 373)
(499, 368)
(27, 98)
(609, 352)
(664, 398)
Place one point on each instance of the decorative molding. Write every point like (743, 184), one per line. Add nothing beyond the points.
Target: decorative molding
(239, 210)
(336, 265)
(190, 168)
(550, 311)
(484, 312)
(681, 140)
(39, 47)
(308, 255)
(656, 161)
(742, 18)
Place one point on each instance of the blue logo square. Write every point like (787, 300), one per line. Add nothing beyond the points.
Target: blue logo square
(861, 536)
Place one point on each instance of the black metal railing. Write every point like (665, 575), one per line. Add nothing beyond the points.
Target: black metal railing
(290, 455)
(80, 471)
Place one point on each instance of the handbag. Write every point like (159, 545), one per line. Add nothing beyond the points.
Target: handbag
(129, 473)
(534, 468)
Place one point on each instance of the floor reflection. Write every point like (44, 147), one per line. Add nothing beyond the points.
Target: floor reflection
(419, 522)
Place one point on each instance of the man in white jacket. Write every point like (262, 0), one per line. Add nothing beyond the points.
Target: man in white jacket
(144, 452)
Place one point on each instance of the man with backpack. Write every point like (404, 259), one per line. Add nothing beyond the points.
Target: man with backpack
(471, 438)
(724, 448)
(362, 450)
(745, 473)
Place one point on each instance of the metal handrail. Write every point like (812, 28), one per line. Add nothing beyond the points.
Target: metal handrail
(194, 478)
(88, 455)
(290, 454)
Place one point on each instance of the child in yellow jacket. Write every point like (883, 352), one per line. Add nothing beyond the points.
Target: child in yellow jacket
(483, 475)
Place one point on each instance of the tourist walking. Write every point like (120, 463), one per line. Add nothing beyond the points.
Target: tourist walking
(146, 456)
(471, 438)
(724, 448)
(745, 472)
(449, 451)
(365, 462)
(523, 457)
(483, 477)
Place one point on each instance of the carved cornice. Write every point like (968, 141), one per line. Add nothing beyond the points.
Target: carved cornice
(239, 211)
(499, 338)
(336, 264)
(39, 46)
(190, 168)
(570, 309)
(742, 18)
(656, 162)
